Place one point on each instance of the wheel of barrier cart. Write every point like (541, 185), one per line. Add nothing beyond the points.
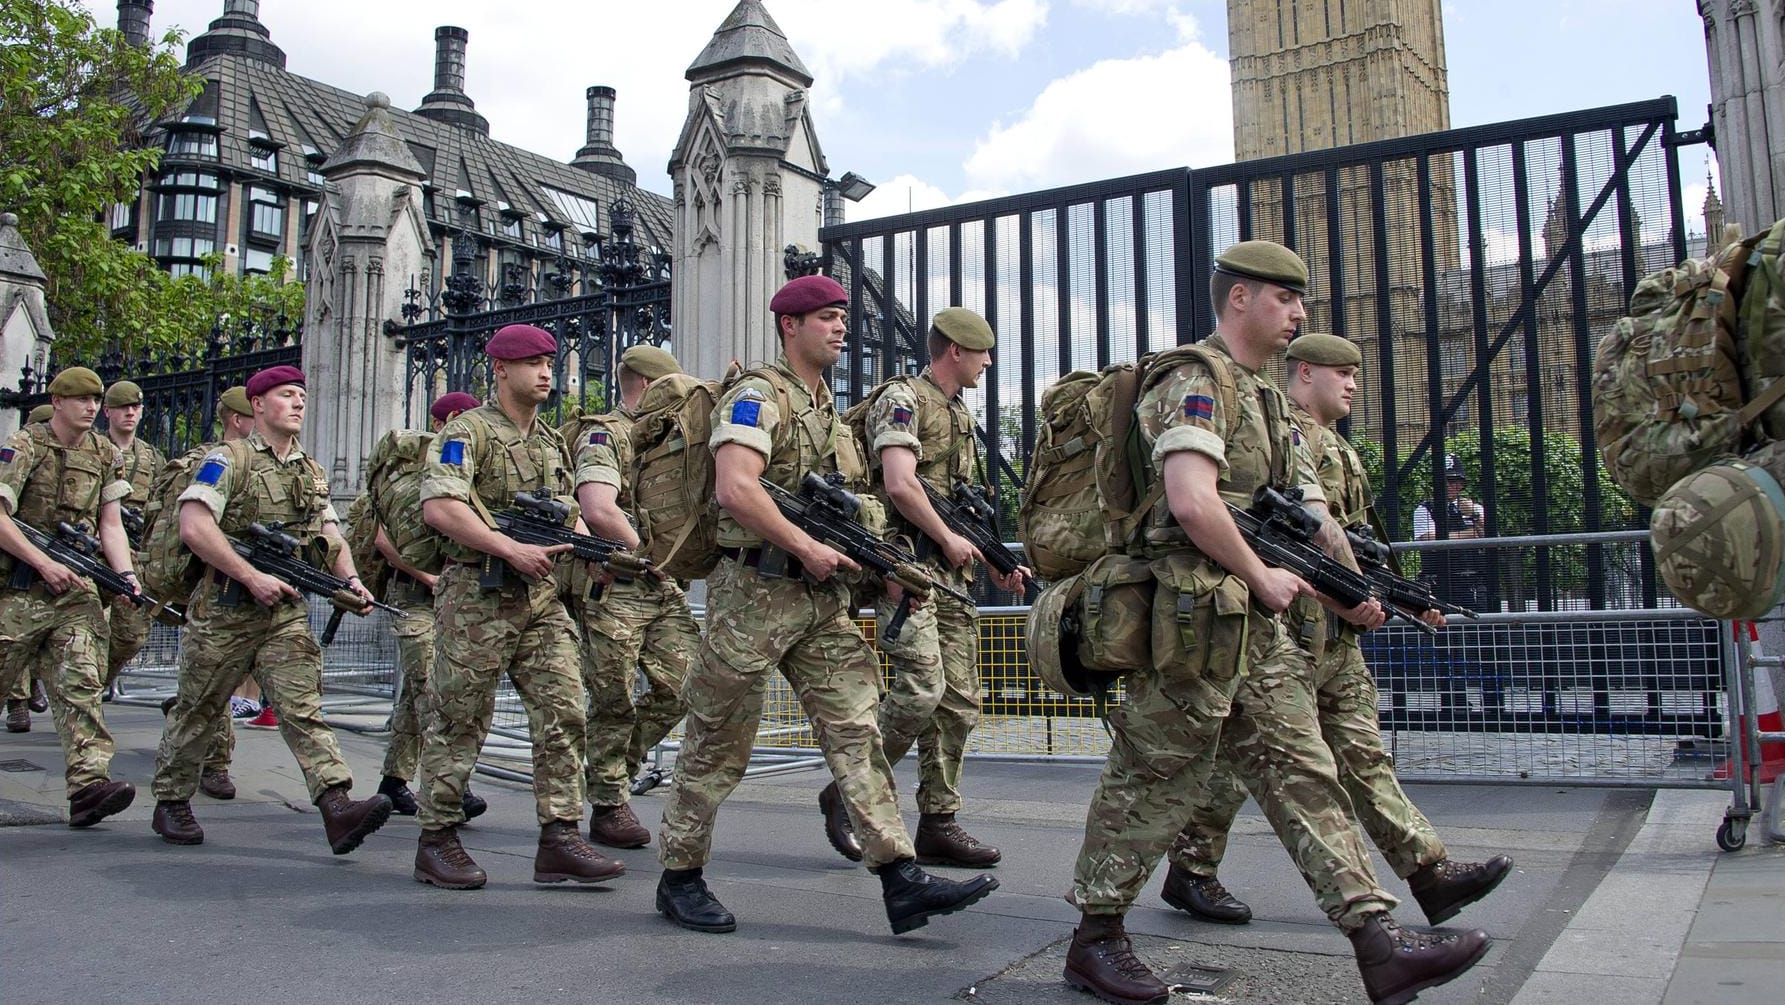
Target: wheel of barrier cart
(1732, 834)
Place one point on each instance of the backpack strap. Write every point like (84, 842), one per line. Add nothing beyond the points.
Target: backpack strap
(1763, 278)
(1148, 495)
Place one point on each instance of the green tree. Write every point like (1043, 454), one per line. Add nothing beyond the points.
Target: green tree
(73, 97)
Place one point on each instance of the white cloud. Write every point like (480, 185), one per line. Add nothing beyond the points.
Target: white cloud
(907, 194)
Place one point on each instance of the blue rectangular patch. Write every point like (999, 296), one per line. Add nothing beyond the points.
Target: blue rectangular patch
(7, 454)
(1199, 406)
(1295, 435)
(744, 413)
(597, 439)
(902, 416)
(210, 473)
(452, 452)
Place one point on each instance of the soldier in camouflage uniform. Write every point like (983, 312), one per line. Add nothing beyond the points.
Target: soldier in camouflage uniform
(633, 626)
(412, 589)
(241, 620)
(62, 471)
(477, 464)
(25, 693)
(1231, 654)
(919, 432)
(776, 603)
(142, 462)
(1322, 378)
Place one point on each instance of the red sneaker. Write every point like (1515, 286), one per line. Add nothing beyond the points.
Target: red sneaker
(265, 720)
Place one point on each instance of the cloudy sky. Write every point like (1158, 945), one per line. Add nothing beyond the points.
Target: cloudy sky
(944, 101)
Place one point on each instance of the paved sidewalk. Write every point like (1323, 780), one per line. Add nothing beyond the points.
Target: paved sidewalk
(1618, 896)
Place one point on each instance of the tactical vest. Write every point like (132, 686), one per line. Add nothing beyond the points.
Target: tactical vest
(142, 463)
(1348, 499)
(506, 462)
(944, 431)
(65, 483)
(810, 436)
(293, 492)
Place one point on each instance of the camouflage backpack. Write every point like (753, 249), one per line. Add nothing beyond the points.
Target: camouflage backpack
(393, 488)
(362, 544)
(166, 565)
(1679, 382)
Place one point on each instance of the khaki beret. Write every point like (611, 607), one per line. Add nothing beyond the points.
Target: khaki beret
(39, 414)
(1267, 261)
(649, 362)
(77, 382)
(964, 328)
(1322, 349)
(123, 393)
(236, 400)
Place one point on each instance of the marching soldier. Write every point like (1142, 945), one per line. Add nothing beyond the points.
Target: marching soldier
(412, 589)
(1322, 378)
(477, 464)
(776, 603)
(142, 462)
(633, 626)
(51, 621)
(918, 433)
(26, 694)
(241, 620)
(1177, 709)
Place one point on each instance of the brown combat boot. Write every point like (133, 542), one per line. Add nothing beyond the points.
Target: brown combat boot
(563, 854)
(1397, 965)
(217, 784)
(40, 699)
(175, 823)
(1203, 897)
(1445, 887)
(617, 827)
(941, 841)
(18, 717)
(837, 829)
(440, 860)
(93, 803)
(1101, 960)
(347, 822)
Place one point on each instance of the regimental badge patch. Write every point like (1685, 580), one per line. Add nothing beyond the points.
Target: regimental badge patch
(7, 454)
(1199, 406)
(598, 439)
(746, 413)
(211, 472)
(1295, 436)
(453, 452)
(901, 416)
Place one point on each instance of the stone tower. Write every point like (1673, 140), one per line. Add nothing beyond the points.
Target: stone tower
(749, 179)
(1745, 44)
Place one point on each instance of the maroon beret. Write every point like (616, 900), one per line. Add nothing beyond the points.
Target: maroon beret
(274, 376)
(521, 342)
(809, 293)
(450, 402)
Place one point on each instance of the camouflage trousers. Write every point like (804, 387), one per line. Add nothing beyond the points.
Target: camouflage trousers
(415, 658)
(129, 633)
(633, 628)
(756, 625)
(222, 645)
(1345, 695)
(60, 640)
(934, 699)
(522, 630)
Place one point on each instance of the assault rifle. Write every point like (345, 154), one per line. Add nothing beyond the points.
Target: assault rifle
(132, 519)
(537, 518)
(826, 510)
(269, 549)
(79, 550)
(968, 512)
(1409, 595)
(1282, 533)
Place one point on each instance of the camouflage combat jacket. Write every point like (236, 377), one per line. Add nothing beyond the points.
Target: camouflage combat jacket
(604, 455)
(142, 462)
(915, 413)
(43, 482)
(482, 451)
(292, 492)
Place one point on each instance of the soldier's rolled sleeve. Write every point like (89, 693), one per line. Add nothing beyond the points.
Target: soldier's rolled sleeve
(1302, 470)
(16, 460)
(117, 491)
(328, 513)
(746, 415)
(596, 463)
(449, 469)
(1183, 411)
(892, 419)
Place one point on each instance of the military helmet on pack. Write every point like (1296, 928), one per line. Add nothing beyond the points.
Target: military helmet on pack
(1719, 539)
(1052, 638)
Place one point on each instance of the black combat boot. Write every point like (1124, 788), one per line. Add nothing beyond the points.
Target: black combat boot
(563, 854)
(175, 823)
(683, 897)
(941, 841)
(473, 804)
(346, 822)
(18, 717)
(1203, 897)
(836, 823)
(913, 896)
(1101, 960)
(1445, 887)
(402, 801)
(93, 803)
(617, 827)
(39, 700)
(440, 860)
(1397, 965)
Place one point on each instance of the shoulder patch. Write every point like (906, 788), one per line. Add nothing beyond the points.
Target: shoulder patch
(750, 394)
(598, 439)
(1199, 406)
(7, 454)
(452, 452)
(1295, 436)
(211, 471)
(901, 415)
(746, 413)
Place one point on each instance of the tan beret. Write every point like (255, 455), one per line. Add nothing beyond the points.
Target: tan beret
(123, 393)
(1322, 349)
(964, 328)
(39, 414)
(1267, 261)
(77, 382)
(649, 362)
(236, 400)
